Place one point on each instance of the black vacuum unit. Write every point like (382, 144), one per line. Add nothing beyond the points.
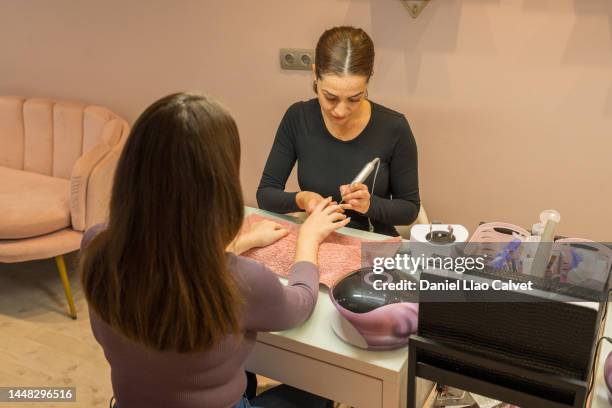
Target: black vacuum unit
(535, 331)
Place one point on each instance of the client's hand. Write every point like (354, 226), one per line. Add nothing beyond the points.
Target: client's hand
(323, 220)
(262, 233)
(266, 232)
(356, 197)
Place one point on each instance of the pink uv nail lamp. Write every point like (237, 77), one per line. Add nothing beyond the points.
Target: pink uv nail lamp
(371, 318)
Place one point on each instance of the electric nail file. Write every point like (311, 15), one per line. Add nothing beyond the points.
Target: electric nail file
(364, 173)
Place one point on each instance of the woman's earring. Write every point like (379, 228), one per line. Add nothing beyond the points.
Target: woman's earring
(366, 94)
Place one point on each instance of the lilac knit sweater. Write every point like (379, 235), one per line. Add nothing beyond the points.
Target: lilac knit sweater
(145, 378)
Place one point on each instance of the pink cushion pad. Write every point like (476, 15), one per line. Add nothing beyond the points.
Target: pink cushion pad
(41, 247)
(339, 254)
(32, 204)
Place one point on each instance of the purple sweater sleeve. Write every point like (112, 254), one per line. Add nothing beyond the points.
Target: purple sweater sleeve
(90, 234)
(271, 306)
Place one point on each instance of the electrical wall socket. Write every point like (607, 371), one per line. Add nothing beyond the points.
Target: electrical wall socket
(297, 58)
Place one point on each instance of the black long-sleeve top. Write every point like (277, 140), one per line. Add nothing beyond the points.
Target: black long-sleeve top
(325, 163)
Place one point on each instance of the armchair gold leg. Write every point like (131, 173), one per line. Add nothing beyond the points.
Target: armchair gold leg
(61, 266)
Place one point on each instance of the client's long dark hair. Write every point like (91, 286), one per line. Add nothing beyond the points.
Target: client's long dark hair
(158, 273)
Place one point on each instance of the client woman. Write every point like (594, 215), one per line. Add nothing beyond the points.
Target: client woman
(174, 312)
(335, 134)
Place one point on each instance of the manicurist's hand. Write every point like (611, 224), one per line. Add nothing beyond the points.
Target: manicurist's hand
(356, 197)
(323, 220)
(307, 200)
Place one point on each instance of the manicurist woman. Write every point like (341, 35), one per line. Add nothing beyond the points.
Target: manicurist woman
(175, 312)
(335, 134)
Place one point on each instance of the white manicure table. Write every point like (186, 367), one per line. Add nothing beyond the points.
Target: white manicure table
(312, 358)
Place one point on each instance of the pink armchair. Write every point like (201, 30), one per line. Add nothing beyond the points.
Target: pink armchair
(57, 161)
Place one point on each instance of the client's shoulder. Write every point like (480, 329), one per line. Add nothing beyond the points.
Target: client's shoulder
(90, 233)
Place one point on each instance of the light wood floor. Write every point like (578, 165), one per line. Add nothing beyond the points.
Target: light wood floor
(40, 345)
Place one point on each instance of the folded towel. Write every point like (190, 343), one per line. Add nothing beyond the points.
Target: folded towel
(339, 254)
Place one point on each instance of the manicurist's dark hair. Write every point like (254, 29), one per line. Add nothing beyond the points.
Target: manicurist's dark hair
(344, 51)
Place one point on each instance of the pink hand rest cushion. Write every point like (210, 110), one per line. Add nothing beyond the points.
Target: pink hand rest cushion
(339, 254)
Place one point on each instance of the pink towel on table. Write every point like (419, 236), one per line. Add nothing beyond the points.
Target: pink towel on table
(338, 255)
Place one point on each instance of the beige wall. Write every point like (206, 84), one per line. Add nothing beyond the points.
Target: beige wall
(510, 100)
